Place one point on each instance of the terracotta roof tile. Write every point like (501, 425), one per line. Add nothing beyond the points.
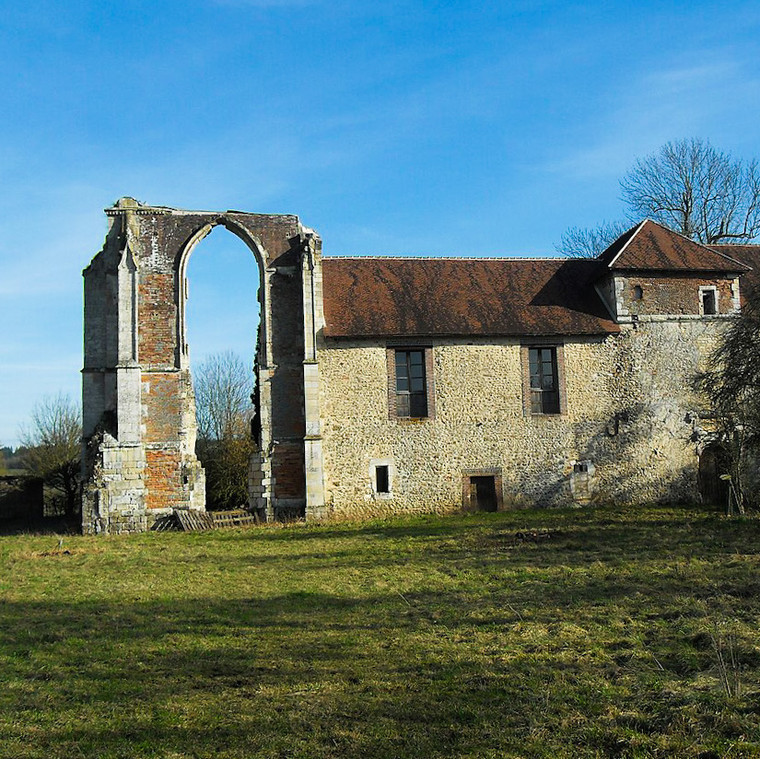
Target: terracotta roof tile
(749, 255)
(650, 246)
(415, 297)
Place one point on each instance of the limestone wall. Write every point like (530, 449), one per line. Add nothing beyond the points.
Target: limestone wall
(630, 416)
(113, 498)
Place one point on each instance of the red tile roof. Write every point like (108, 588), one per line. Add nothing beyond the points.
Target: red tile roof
(461, 297)
(417, 297)
(749, 255)
(650, 246)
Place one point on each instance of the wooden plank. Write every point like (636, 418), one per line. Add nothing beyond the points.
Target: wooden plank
(188, 520)
(193, 521)
(168, 523)
(232, 518)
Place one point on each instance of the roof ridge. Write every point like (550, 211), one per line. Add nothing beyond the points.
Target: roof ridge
(697, 242)
(627, 243)
(450, 258)
(730, 244)
(695, 245)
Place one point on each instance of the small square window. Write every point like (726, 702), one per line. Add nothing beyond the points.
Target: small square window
(382, 479)
(709, 301)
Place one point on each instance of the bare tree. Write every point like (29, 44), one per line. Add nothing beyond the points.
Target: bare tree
(696, 190)
(52, 447)
(223, 389)
(733, 389)
(688, 186)
(589, 242)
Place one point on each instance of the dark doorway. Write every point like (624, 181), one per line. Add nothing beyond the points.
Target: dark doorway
(712, 464)
(483, 493)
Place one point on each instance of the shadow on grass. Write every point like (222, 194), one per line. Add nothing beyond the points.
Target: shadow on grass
(297, 675)
(574, 541)
(45, 526)
(463, 640)
(316, 674)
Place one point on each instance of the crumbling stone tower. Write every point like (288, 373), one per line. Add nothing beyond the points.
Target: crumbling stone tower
(138, 403)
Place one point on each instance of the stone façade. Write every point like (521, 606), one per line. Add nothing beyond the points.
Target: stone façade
(629, 415)
(628, 332)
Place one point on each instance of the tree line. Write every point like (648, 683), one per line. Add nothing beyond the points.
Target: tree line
(51, 442)
(50, 449)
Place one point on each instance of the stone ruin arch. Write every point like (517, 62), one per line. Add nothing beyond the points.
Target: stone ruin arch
(139, 423)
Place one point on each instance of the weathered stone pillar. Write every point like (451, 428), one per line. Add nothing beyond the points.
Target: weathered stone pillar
(113, 460)
(311, 277)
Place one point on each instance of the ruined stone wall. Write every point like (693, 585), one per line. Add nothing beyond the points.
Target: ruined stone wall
(113, 497)
(630, 415)
(139, 407)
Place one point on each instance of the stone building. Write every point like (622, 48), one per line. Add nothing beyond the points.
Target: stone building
(398, 385)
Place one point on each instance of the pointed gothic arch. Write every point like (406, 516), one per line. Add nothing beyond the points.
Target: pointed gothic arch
(183, 258)
(139, 411)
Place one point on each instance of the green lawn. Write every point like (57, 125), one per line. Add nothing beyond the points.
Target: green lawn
(584, 633)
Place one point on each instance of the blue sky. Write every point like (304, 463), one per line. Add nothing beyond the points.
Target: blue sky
(390, 127)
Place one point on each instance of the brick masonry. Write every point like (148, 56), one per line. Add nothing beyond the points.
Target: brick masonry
(163, 479)
(667, 295)
(674, 295)
(139, 408)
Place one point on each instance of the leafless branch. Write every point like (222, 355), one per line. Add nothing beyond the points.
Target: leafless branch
(589, 242)
(696, 190)
(52, 443)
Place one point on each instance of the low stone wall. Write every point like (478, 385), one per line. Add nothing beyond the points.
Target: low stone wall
(113, 499)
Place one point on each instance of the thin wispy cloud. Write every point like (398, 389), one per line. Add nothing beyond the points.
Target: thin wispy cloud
(660, 106)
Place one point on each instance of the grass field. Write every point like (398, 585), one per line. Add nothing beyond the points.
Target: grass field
(585, 633)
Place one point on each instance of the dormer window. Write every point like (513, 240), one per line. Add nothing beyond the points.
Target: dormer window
(708, 301)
